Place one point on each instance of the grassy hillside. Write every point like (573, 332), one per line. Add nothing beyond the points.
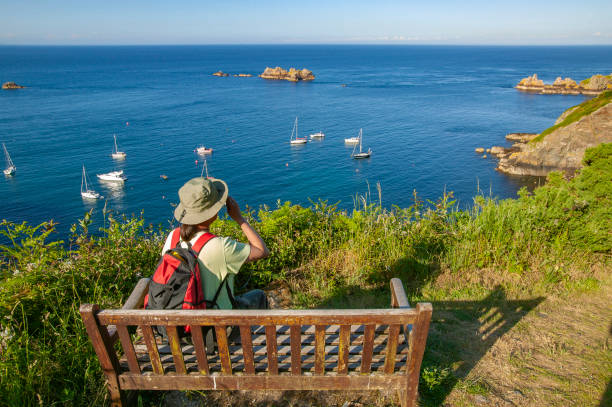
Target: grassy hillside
(555, 241)
(583, 109)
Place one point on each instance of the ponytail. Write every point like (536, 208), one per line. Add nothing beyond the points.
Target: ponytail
(188, 231)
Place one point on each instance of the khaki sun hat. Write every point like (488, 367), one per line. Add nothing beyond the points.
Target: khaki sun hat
(201, 199)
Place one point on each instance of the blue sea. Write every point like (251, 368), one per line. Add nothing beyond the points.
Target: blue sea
(423, 110)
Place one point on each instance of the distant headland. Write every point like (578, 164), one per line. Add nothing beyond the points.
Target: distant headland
(11, 85)
(590, 86)
(292, 74)
(561, 147)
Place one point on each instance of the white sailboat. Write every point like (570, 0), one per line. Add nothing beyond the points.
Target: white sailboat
(361, 154)
(85, 191)
(296, 140)
(320, 134)
(114, 176)
(351, 140)
(10, 167)
(119, 155)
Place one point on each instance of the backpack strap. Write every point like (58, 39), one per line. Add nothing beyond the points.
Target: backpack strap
(176, 237)
(213, 303)
(202, 240)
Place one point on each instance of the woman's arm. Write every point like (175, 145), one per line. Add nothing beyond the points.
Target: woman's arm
(259, 250)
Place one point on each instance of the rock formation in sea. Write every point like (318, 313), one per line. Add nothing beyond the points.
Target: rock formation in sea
(590, 86)
(220, 73)
(292, 74)
(11, 85)
(562, 146)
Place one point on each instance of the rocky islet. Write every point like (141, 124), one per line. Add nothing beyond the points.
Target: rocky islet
(590, 86)
(11, 85)
(292, 75)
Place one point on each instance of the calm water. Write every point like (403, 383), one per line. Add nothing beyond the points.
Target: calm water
(423, 110)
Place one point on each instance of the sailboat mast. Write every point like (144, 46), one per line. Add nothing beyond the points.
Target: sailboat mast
(115, 137)
(360, 136)
(83, 179)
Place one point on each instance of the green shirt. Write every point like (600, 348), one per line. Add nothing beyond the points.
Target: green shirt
(220, 257)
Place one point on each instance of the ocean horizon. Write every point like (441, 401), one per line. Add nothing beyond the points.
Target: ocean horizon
(423, 110)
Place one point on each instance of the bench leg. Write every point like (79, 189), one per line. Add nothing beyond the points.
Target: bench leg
(406, 398)
(117, 396)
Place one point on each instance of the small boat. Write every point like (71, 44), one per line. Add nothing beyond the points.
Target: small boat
(296, 140)
(351, 140)
(361, 154)
(163, 176)
(85, 191)
(10, 167)
(114, 176)
(203, 150)
(317, 135)
(119, 155)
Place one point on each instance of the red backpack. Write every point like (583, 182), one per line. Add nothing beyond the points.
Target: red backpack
(176, 282)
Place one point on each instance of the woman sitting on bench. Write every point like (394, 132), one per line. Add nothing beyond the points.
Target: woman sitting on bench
(221, 258)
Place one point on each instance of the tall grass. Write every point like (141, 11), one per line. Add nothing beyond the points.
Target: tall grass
(334, 257)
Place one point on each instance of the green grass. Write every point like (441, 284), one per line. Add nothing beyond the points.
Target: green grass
(583, 109)
(542, 242)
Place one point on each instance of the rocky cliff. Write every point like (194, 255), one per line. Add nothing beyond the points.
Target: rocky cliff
(292, 74)
(561, 147)
(590, 86)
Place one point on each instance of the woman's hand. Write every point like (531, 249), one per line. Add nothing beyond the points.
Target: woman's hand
(233, 210)
(259, 250)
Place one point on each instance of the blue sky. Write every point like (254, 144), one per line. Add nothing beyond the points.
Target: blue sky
(107, 22)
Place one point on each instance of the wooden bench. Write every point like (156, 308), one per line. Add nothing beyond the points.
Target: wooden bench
(365, 349)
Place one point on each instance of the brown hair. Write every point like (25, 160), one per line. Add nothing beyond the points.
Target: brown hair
(188, 231)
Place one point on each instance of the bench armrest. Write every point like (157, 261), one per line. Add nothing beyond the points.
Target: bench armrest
(398, 295)
(136, 298)
(400, 300)
(134, 301)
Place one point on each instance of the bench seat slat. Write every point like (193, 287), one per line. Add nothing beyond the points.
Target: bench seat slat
(260, 363)
(307, 348)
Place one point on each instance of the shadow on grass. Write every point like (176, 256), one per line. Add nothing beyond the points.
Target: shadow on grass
(461, 332)
(606, 398)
